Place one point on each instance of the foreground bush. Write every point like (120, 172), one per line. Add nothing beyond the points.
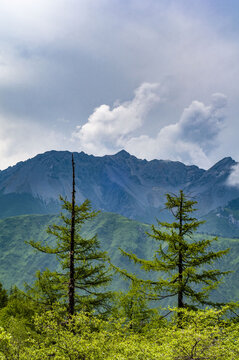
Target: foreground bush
(202, 335)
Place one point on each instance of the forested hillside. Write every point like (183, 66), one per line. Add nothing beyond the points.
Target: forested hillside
(19, 261)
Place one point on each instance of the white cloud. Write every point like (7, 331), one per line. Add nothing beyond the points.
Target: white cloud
(200, 124)
(189, 140)
(107, 130)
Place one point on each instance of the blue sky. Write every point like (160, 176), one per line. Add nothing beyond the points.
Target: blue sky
(157, 78)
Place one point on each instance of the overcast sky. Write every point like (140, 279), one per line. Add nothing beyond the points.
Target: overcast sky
(158, 78)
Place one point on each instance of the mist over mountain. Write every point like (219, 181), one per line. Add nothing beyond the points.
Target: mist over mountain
(118, 183)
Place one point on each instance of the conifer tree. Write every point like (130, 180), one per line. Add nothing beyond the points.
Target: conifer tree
(71, 285)
(83, 264)
(181, 260)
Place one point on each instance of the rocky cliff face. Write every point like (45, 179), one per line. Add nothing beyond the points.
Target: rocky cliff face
(119, 183)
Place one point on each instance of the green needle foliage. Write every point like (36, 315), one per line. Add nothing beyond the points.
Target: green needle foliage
(46, 290)
(180, 261)
(90, 271)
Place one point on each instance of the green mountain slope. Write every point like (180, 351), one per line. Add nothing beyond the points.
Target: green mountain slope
(19, 261)
(223, 221)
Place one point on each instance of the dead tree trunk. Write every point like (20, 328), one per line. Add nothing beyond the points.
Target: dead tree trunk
(71, 287)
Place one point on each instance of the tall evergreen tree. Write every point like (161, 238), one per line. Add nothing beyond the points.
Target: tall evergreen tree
(71, 286)
(181, 257)
(83, 264)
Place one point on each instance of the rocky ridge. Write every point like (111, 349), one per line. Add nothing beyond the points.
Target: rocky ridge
(118, 183)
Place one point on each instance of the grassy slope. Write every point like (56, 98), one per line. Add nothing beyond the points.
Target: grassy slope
(19, 261)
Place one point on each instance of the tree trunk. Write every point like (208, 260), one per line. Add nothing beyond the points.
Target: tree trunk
(180, 258)
(180, 261)
(71, 288)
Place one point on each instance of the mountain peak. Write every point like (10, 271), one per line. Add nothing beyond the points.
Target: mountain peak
(123, 154)
(224, 163)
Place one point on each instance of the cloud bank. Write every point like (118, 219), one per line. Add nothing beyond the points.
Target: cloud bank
(190, 139)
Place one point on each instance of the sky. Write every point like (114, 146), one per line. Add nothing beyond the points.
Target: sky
(158, 78)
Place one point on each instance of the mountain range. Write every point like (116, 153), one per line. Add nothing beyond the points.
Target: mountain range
(118, 183)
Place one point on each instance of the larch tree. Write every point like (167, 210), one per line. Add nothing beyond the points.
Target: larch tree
(84, 270)
(181, 260)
